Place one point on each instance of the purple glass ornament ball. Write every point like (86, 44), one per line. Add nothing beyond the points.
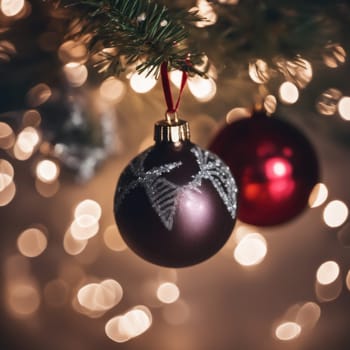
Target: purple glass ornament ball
(274, 165)
(175, 204)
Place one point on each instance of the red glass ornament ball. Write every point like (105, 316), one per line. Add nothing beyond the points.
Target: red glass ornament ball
(175, 204)
(274, 165)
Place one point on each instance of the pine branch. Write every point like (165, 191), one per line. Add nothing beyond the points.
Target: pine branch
(139, 32)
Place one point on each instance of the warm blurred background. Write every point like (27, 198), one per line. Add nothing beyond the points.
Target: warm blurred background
(68, 281)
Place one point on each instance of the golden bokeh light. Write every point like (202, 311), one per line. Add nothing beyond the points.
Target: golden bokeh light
(112, 90)
(23, 298)
(7, 194)
(100, 296)
(113, 239)
(335, 213)
(202, 89)
(206, 11)
(327, 102)
(237, 114)
(344, 107)
(73, 246)
(45, 189)
(72, 51)
(251, 250)
(327, 272)
(130, 325)
(6, 174)
(287, 331)
(270, 104)
(259, 71)
(176, 77)
(75, 73)
(334, 55)
(7, 136)
(32, 118)
(32, 242)
(308, 315)
(288, 93)
(84, 227)
(11, 8)
(347, 280)
(142, 83)
(38, 95)
(88, 207)
(318, 195)
(168, 293)
(26, 142)
(47, 171)
(328, 292)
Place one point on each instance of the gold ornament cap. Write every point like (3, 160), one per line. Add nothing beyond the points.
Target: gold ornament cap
(171, 129)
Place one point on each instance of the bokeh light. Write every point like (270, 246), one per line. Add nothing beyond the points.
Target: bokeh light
(75, 73)
(32, 242)
(32, 118)
(259, 71)
(73, 51)
(47, 170)
(202, 89)
(113, 239)
(84, 227)
(327, 102)
(328, 272)
(335, 213)
(334, 55)
(288, 93)
(112, 90)
(7, 137)
(26, 142)
(287, 331)
(6, 174)
(7, 194)
(318, 195)
(344, 107)
(88, 207)
(270, 104)
(206, 11)
(347, 280)
(308, 315)
(45, 189)
(73, 246)
(38, 95)
(23, 298)
(130, 325)
(168, 292)
(142, 83)
(251, 250)
(11, 8)
(237, 114)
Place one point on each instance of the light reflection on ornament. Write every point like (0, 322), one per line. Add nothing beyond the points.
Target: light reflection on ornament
(73, 246)
(259, 71)
(176, 313)
(344, 107)
(270, 104)
(334, 55)
(112, 90)
(237, 113)
(22, 298)
(168, 293)
(76, 73)
(38, 95)
(130, 325)
(7, 137)
(318, 195)
(202, 89)
(335, 213)
(288, 93)
(251, 250)
(287, 331)
(11, 8)
(327, 272)
(32, 242)
(308, 315)
(6, 174)
(142, 83)
(347, 280)
(113, 239)
(47, 171)
(327, 102)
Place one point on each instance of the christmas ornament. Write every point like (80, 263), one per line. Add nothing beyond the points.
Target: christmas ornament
(274, 164)
(175, 203)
